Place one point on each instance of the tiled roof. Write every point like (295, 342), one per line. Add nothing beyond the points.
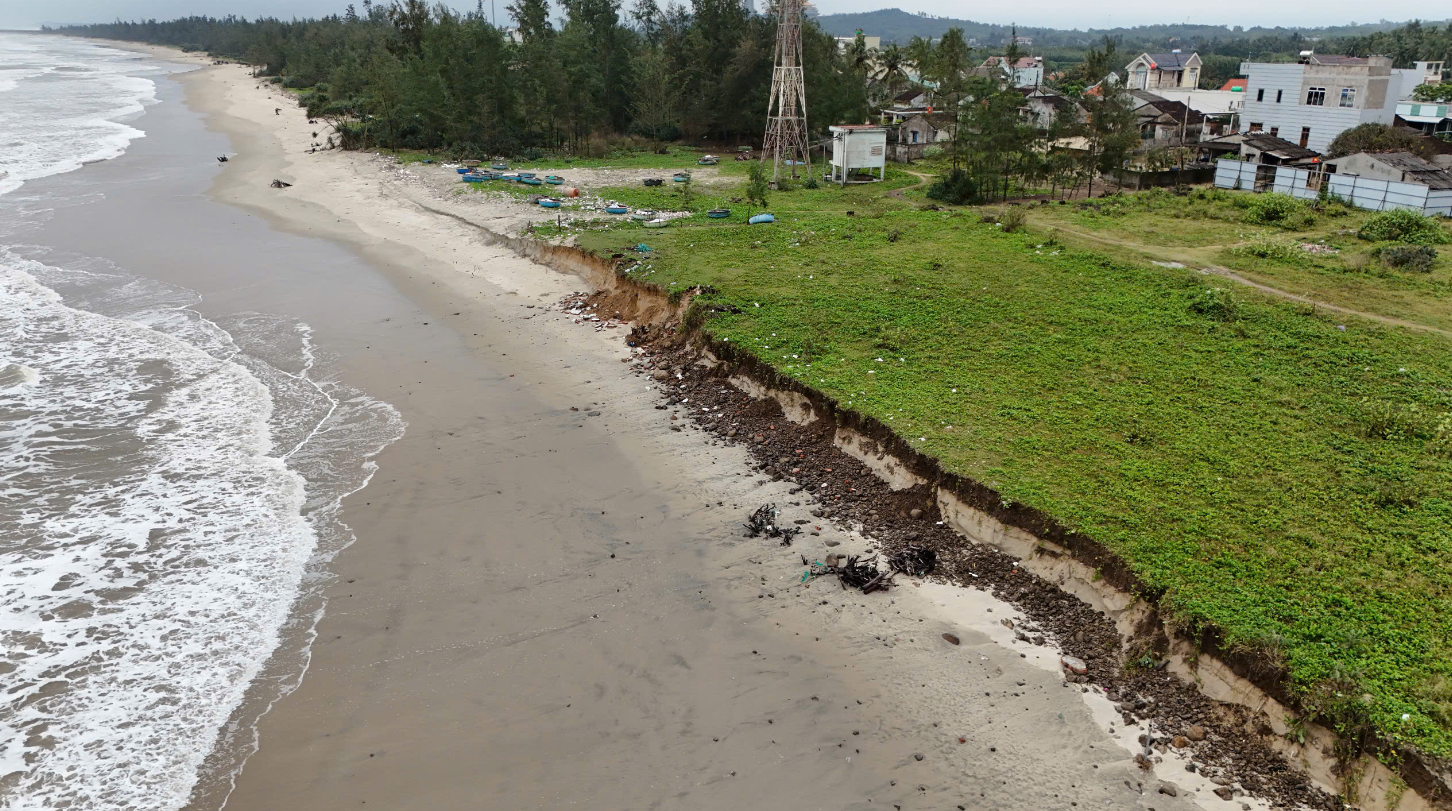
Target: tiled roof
(1234, 84)
(1169, 61)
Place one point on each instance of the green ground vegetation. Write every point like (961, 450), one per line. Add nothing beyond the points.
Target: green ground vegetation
(1312, 249)
(1262, 471)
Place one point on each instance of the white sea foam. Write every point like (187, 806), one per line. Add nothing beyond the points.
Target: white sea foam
(167, 505)
(66, 103)
(170, 489)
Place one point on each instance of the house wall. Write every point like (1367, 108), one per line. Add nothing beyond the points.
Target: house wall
(1377, 90)
(1363, 165)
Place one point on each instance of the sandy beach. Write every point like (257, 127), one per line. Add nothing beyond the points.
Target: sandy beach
(550, 603)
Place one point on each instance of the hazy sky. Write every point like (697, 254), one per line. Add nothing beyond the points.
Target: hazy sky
(1051, 13)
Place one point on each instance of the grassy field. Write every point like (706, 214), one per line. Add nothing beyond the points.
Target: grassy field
(1265, 471)
(1210, 228)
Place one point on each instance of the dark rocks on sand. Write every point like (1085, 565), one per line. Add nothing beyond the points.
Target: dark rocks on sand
(918, 756)
(1169, 790)
(660, 374)
(952, 640)
(915, 513)
(1195, 733)
(1224, 793)
(1180, 742)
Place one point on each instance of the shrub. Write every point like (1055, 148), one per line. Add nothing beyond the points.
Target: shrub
(1013, 219)
(1393, 421)
(957, 188)
(1279, 210)
(275, 80)
(1402, 225)
(1216, 303)
(810, 182)
(1416, 258)
(1270, 250)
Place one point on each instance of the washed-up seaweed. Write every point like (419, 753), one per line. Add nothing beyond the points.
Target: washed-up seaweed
(763, 522)
(853, 572)
(913, 561)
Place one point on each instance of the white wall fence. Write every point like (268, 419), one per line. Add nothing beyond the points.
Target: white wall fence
(1363, 192)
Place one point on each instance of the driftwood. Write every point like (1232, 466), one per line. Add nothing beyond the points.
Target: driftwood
(221, 159)
(913, 561)
(853, 572)
(278, 184)
(763, 522)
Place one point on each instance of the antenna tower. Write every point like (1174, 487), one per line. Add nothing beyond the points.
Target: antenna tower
(786, 111)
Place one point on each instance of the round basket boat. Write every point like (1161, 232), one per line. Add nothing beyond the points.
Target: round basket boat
(463, 170)
(473, 178)
(500, 165)
(643, 214)
(531, 181)
(554, 180)
(761, 219)
(615, 209)
(653, 181)
(719, 213)
(549, 202)
(657, 223)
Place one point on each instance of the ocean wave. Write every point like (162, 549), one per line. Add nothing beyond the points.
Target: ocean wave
(173, 486)
(66, 103)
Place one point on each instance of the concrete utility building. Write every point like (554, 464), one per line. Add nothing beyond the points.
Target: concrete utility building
(858, 148)
(1312, 101)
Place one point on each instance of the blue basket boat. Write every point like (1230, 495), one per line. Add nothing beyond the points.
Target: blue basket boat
(549, 202)
(761, 219)
(554, 180)
(531, 181)
(615, 209)
(719, 213)
(463, 170)
(473, 178)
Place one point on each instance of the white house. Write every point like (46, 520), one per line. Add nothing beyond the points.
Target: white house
(858, 148)
(1312, 101)
(1154, 71)
(1431, 117)
(1028, 71)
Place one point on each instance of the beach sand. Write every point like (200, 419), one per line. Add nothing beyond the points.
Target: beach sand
(551, 603)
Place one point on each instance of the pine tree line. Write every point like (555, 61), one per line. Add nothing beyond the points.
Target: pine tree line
(412, 76)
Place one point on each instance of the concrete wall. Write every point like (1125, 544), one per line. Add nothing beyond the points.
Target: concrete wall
(1377, 88)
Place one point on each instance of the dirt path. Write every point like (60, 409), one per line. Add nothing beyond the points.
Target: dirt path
(1193, 258)
(923, 180)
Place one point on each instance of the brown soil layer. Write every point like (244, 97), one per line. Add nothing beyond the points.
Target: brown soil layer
(1232, 747)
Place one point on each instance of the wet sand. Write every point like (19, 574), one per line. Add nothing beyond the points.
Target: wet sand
(549, 609)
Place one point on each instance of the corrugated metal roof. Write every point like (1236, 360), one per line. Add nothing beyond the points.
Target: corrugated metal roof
(1281, 148)
(1335, 59)
(1420, 171)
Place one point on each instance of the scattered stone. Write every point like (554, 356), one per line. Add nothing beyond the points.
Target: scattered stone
(1169, 790)
(915, 513)
(952, 640)
(660, 374)
(918, 756)
(1180, 742)
(830, 542)
(1074, 665)
(1195, 733)
(1224, 793)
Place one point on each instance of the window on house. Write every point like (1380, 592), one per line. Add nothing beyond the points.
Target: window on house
(1316, 96)
(915, 136)
(1275, 131)
(1255, 126)
(1278, 96)
(1348, 97)
(1260, 94)
(1305, 135)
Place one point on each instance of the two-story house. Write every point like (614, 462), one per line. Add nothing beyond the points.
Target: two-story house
(1028, 71)
(1153, 71)
(1311, 101)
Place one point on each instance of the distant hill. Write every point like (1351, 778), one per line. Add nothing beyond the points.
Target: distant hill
(896, 25)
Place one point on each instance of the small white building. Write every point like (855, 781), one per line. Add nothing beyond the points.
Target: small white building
(858, 148)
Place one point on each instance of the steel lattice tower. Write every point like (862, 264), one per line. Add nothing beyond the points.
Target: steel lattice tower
(786, 111)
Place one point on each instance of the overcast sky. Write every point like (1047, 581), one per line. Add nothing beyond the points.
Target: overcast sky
(1050, 13)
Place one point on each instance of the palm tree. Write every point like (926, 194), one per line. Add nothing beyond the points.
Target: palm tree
(891, 68)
